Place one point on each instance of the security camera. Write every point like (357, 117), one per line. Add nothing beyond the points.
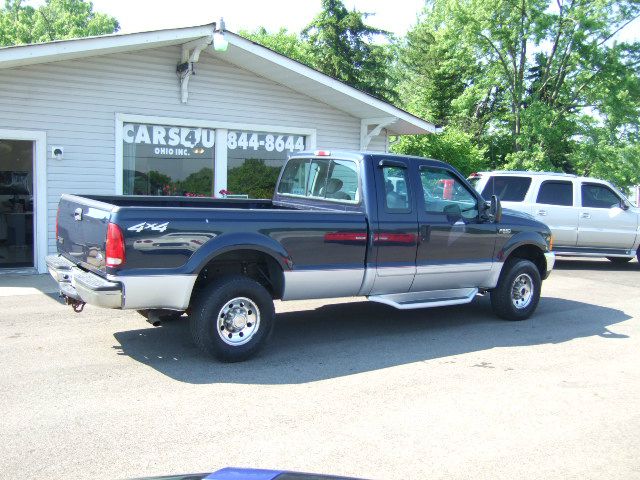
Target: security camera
(57, 152)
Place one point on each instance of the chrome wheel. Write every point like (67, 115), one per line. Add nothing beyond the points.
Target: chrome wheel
(522, 291)
(238, 321)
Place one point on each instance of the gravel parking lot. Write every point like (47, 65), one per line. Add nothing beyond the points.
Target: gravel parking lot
(351, 388)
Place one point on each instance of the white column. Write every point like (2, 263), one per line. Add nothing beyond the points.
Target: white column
(220, 163)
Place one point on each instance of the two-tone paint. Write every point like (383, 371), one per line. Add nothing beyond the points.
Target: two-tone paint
(324, 248)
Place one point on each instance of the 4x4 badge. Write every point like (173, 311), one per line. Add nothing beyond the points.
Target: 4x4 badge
(505, 231)
(156, 227)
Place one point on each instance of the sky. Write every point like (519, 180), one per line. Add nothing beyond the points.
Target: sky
(395, 16)
(142, 15)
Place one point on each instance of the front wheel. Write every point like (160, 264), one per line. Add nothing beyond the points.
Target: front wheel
(232, 318)
(518, 291)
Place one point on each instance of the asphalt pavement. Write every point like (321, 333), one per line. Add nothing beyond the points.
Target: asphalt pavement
(344, 387)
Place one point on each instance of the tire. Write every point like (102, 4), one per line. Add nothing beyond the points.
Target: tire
(512, 304)
(620, 260)
(236, 308)
(166, 316)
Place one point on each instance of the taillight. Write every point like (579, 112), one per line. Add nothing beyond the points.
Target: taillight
(115, 246)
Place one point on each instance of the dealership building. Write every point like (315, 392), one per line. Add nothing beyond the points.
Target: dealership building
(192, 111)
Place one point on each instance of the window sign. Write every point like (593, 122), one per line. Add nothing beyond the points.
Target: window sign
(167, 160)
(254, 160)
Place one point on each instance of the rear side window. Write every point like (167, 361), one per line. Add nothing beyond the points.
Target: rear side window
(555, 192)
(395, 185)
(598, 196)
(508, 189)
(320, 178)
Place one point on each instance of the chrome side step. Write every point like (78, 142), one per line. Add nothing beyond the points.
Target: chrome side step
(435, 298)
(593, 252)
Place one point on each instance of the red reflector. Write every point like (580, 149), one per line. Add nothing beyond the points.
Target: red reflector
(322, 153)
(345, 237)
(404, 238)
(115, 246)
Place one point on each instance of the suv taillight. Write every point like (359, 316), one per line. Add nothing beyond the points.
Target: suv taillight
(115, 246)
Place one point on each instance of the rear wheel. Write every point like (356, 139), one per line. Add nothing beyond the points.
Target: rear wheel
(232, 318)
(518, 291)
(620, 260)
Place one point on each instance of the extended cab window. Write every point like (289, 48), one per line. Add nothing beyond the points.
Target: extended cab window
(508, 189)
(554, 192)
(445, 194)
(598, 196)
(320, 178)
(395, 185)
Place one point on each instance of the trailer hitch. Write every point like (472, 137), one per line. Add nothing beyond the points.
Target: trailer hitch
(76, 305)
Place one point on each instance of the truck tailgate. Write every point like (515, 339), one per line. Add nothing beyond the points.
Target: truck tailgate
(82, 231)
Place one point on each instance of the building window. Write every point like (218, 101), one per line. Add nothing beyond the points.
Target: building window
(167, 160)
(254, 160)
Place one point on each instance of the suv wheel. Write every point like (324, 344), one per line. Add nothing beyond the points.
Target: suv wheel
(518, 291)
(232, 318)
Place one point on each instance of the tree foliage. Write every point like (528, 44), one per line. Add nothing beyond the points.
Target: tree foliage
(253, 178)
(339, 43)
(54, 20)
(538, 84)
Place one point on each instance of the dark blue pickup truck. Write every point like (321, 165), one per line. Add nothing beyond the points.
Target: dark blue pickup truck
(404, 231)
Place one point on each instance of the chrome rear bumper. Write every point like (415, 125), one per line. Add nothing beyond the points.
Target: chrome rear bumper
(84, 286)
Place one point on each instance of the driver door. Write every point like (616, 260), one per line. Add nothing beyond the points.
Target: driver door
(455, 247)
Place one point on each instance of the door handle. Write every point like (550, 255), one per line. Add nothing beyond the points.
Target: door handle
(425, 233)
(77, 214)
(585, 215)
(542, 213)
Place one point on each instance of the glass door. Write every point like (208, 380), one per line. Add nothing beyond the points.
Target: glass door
(16, 203)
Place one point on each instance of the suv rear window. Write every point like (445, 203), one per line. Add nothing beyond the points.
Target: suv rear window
(556, 193)
(508, 189)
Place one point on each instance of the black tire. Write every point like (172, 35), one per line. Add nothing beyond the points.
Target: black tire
(165, 316)
(501, 297)
(620, 260)
(206, 316)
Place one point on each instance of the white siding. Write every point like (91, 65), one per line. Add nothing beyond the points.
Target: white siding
(75, 102)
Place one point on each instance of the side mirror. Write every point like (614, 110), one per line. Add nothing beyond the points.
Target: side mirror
(623, 205)
(495, 209)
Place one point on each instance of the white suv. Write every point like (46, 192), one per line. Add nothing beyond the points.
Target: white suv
(588, 217)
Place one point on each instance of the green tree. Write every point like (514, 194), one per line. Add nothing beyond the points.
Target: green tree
(253, 178)
(533, 81)
(54, 20)
(287, 43)
(452, 146)
(342, 45)
(198, 183)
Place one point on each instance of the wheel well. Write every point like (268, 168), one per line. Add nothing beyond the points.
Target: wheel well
(533, 253)
(257, 265)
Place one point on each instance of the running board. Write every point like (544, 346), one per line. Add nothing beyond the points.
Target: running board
(435, 298)
(593, 252)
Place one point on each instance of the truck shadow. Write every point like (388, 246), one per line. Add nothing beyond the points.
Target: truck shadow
(349, 338)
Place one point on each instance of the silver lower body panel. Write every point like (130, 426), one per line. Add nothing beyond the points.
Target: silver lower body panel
(172, 292)
(308, 284)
